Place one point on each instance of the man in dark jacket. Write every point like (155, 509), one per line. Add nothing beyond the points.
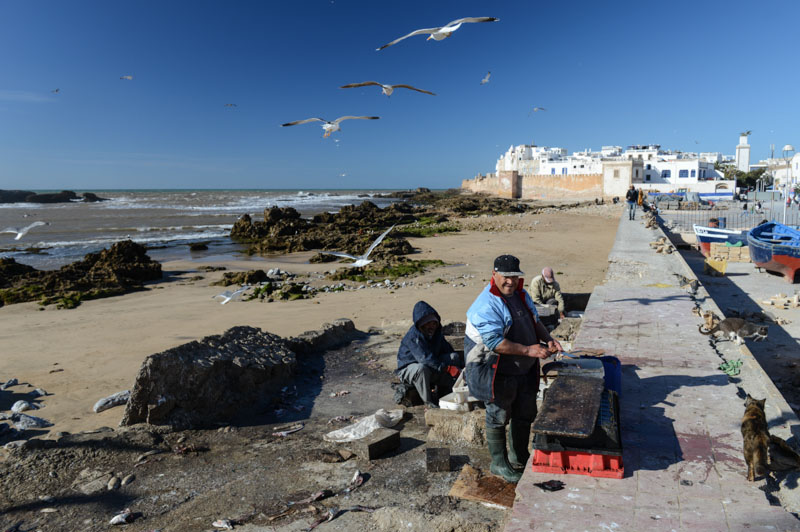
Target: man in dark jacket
(632, 197)
(425, 359)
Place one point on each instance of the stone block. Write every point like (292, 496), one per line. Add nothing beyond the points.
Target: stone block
(376, 444)
(437, 459)
(456, 428)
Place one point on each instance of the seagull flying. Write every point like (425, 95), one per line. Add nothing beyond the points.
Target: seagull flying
(386, 89)
(24, 231)
(361, 260)
(129, 78)
(227, 295)
(231, 105)
(332, 126)
(536, 110)
(485, 80)
(437, 34)
(55, 91)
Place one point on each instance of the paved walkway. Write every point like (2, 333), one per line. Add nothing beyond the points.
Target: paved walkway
(680, 416)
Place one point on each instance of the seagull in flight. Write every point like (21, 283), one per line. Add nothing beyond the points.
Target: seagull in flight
(227, 295)
(438, 34)
(332, 126)
(55, 91)
(536, 110)
(361, 260)
(386, 89)
(231, 105)
(485, 80)
(24, 231)
(129, 78)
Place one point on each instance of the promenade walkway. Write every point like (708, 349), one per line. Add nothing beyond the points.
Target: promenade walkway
(680, 416)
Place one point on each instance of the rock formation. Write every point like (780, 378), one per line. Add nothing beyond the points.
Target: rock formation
(114, 271)
(27, 196)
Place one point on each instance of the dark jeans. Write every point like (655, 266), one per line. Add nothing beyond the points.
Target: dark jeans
(424, 378)
(631, 210)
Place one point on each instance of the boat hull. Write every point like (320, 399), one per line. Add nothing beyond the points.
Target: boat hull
(775, 257)
(709, 235)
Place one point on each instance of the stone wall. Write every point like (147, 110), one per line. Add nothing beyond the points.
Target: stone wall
(512, 185)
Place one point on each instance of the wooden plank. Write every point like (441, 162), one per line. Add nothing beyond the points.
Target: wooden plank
(570, 407)
(472, 485)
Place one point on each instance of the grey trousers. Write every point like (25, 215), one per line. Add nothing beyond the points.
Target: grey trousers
(424, 378)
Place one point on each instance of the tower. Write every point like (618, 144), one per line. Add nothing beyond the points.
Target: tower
(743, 153)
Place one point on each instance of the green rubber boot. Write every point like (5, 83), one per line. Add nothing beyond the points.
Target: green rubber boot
(496, 439)
(518, 453)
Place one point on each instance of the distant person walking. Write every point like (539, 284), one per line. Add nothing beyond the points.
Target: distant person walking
(631, 197)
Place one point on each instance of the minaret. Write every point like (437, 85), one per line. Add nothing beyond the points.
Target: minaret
(743, 153)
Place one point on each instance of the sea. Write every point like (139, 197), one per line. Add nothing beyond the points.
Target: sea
(165, 221)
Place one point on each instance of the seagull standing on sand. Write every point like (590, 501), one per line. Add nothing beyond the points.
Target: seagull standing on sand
(24, 231)
(227, 295)
(361, 260)
(331, 126)
(485, 80)
(386, 89)
(438, 34)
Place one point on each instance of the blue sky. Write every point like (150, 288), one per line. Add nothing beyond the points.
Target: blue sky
(686, 75)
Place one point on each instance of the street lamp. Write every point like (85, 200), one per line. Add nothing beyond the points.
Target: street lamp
(786, 150)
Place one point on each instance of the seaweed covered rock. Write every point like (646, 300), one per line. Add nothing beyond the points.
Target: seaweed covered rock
(120, 269)
(211, 380)
(242, 278)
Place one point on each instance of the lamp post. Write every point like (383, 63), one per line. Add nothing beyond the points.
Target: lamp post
(787, 182)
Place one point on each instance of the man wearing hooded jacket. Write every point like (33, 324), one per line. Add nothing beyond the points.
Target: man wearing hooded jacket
(425, 358)
(503, 345)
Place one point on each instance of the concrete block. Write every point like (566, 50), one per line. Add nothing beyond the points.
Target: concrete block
(456, 428)
(376, 443)
(437, 459)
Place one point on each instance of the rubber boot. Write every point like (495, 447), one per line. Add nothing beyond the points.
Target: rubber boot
(518, 450)
(496, 439)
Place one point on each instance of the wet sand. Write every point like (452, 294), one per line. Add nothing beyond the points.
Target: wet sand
(99, 346)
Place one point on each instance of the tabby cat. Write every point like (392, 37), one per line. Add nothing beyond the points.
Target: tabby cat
(756, 438)
(737, 329)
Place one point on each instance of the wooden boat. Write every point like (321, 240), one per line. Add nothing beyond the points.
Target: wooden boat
(776, 247)
(708, 235)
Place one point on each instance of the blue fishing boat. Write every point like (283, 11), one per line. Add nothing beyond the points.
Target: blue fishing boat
(710, 235)
(776, 247)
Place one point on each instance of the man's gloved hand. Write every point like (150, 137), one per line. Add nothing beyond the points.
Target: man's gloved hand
(453, 371)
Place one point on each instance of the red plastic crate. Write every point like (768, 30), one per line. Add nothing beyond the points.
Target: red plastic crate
(578, 463)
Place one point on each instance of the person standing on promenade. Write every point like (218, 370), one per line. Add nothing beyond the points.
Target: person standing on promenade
(631, 197)
(425, 359)
(503, 345)
(546, 291)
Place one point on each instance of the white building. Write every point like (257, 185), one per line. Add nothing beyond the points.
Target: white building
(743, 153)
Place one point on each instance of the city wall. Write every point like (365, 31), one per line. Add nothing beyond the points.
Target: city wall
(512, 185)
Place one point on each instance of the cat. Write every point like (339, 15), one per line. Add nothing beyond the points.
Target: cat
(737, 329)
(756, 438)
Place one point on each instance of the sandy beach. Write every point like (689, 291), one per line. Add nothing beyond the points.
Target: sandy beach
(81, 355)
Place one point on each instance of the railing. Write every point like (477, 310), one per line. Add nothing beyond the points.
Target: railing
(731, 215)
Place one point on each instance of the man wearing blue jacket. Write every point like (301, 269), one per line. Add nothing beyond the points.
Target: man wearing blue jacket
(503, 344)
(425, 358)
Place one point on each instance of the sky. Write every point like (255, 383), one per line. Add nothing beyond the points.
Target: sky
(688, 75)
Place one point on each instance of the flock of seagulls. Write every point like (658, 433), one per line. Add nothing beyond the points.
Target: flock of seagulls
(437, 34)
(23, 231)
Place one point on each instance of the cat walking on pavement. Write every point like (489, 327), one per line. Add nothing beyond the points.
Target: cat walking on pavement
(737, 329)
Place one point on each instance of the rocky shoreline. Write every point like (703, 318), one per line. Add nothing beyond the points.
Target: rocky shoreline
(65, 196)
